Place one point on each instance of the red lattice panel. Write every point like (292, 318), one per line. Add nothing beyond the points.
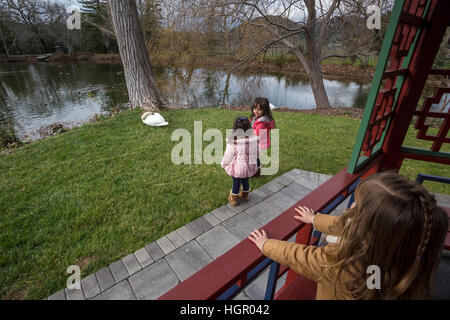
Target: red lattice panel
(409, 23)
(425, 113)
(381, 112)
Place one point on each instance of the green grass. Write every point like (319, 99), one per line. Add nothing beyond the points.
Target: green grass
(99, 192)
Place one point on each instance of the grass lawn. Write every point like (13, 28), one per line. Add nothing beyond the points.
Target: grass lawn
(93, 195)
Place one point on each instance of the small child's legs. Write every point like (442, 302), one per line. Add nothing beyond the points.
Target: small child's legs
(237, 185)
(245, 185)
(236, 195)
(245, 190)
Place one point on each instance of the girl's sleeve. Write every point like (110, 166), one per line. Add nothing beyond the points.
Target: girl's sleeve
(307, 261)
(327, 224)
(262, 125)
(228, 156)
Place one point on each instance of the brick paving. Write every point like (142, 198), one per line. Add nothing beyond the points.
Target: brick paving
(156, 268)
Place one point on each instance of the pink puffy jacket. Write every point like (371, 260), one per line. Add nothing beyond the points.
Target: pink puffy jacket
(261, 127)
(240, 156)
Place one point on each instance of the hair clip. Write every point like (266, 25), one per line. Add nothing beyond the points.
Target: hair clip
(242, 119)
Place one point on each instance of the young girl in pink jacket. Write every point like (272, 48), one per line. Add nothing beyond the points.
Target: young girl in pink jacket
(239, 160)
(262, 122)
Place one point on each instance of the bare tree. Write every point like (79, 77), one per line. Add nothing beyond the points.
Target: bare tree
(349, 32)
(139, 76)
(282, 22)
(104, 21)
(30, 13)
(299, 26)
(6, 35)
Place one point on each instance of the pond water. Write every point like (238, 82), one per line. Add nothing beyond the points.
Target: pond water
(39, 94)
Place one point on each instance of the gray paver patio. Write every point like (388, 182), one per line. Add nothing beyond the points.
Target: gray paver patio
(203, 223)
(212, 219)
(264, 212)
(105, 278)
(257, 289)
(131, 264)
(121, 291)
(188, 259)
(176, 239)
(242, 225)
(165, 245)
(90, 286)
(217, 241)
(74, 294)
(143, 257)
(185, 233)
(154, 251)
(60, 295)
(119, 271)
(194, 228)
(156, 268)
(153, 281)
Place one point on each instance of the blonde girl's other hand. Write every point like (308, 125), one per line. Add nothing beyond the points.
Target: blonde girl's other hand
(258, 238)
(306, 215)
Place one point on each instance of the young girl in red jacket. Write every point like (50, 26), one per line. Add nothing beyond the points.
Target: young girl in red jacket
(262, 122)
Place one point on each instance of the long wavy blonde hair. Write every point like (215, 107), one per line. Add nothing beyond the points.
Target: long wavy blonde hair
(397, 226)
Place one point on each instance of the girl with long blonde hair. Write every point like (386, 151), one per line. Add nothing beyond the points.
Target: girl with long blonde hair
(394, 224)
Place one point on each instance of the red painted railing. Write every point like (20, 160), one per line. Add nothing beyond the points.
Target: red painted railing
(233, 267)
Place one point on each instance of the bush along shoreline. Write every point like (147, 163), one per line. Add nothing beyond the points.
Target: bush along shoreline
(285, 64)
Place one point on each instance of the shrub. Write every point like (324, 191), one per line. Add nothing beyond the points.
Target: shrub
(8, 137)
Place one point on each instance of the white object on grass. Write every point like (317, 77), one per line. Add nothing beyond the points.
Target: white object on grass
(272, 106)
(153, 119)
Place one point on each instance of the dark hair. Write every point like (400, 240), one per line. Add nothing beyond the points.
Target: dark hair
(241, 123)
(263, 103)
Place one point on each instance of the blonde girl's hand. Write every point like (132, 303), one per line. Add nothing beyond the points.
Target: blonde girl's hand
(258, 238)
(306, 215)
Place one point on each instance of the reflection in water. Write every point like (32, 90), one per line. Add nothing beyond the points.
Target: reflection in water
(360, 98)
(44, 93)
(40, 94)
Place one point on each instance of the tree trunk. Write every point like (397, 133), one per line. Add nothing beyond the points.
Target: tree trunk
(226, 93)
(5, 47)
(139, 76)
(44, 46)
(320, 95)
(313, 47)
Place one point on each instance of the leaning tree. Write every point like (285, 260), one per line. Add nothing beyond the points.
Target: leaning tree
(302, 27)
(139, 76)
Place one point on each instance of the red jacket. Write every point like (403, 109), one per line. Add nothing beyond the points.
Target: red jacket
(263, 124)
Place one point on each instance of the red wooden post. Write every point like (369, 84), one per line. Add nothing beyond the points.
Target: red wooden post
(303, 237)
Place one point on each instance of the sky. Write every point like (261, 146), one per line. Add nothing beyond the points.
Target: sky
(67, 2)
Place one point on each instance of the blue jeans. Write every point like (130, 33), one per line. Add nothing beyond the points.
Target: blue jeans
(237, 185)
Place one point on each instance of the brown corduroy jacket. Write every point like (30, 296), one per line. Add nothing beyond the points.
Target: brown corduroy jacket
(309, 261)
